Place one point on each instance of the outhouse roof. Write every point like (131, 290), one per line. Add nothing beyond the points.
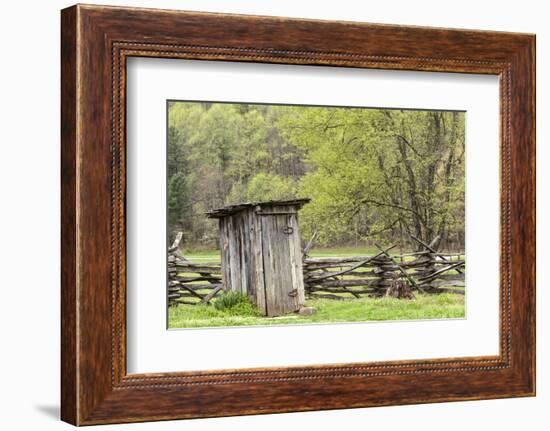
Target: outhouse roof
(232, 209)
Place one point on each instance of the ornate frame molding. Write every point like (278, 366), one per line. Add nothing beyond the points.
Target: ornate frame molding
(96, 41)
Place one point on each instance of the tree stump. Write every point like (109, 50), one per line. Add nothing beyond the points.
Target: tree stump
(400, 289)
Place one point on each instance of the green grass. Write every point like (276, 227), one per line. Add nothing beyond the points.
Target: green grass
(328, 310)
(214, 255)
(203, 256)
(441, 306)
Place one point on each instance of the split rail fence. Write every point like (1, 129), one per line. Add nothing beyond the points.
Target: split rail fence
(346, 278)
(188, 282)
(353, 277)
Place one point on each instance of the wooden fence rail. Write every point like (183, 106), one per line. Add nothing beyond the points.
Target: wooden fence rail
(349, 278)
(382, 274)
(188, 282)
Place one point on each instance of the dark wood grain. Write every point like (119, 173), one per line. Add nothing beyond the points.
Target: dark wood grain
(96, 41)
(69, 398)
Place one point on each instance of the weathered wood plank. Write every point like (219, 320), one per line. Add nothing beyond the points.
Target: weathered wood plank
(342, 283)
(439, 272)
(198, 268)
(258, 262)
(357, 265)
(309, 275)
(206, 299)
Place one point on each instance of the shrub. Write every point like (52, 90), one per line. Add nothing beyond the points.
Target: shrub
(230, 300)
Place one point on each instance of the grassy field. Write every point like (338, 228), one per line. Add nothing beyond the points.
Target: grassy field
(327, 311)
(214, 255)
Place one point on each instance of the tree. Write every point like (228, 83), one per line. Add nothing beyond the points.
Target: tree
(380, 173)
(267, 187)
(179, 204)
(371, 174)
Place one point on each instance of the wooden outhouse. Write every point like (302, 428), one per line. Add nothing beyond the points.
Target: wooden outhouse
(261, 253)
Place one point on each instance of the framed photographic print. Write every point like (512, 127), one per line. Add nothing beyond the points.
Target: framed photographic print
(267, 215)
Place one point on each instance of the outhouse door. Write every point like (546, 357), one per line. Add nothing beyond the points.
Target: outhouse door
(282, 264)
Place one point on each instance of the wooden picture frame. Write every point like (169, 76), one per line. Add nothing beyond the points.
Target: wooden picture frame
(95, 43)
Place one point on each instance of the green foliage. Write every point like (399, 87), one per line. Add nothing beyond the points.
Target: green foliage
(371, 174)
(179, 196)
(380, 173)
(234, 302)
(265, 187)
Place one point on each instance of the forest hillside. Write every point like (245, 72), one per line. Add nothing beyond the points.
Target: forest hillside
(371, 174)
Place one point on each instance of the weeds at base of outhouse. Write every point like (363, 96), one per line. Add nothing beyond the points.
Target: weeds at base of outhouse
(236, 303)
